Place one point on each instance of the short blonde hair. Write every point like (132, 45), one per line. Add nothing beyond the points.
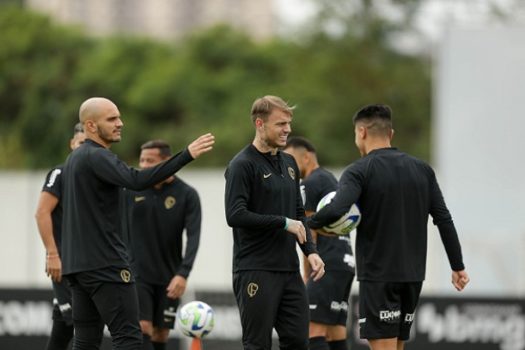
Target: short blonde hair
(263, 107)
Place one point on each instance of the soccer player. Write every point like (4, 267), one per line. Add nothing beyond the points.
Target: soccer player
(156, 219)
(94, 256)
(49, 221)
(264, 207)
(328, 297)
(396, 193)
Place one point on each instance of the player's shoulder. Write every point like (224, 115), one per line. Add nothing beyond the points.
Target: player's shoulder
(245, 161)
(53, 176)
(57, 170)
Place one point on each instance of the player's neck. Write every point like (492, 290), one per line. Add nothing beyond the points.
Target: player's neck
(100, 141)
(311, 169)
(372, 145)
(263, 146)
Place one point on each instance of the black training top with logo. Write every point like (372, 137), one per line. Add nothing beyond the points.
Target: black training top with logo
(335, 251)
(154, 222)
(396, 193)
(53, 185)
(91, 231)
(261, 190)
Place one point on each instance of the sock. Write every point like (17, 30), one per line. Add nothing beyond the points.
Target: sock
(146, 342)
(159, 346)
(338, 345)
(61, 335)
(318, 343)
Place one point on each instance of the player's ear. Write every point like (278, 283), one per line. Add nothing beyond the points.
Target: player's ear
(392, 131)
(259, 122)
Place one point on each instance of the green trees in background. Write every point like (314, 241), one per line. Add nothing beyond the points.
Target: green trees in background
(205, 83)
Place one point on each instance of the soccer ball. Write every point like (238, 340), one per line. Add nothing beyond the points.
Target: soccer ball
(195, 319)
(346, 223)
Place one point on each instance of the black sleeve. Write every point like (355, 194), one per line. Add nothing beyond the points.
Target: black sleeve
(309, 246)
(53, 183)
(348, 193)
(192, 222)
(107, 166)
(443, 220)
(236, 196)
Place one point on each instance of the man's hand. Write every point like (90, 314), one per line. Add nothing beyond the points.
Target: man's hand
(201, 145)
(460, 279)
(54, 267)
(297, 228)
(317, 265)
(177, 287)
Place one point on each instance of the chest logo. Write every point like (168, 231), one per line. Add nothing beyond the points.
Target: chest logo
(267, 175)
(169, 202)
(125, 275)
(291, 172)
(252, 289)
(139, 198)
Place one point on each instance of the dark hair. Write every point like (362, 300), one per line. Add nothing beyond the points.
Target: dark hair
(376, 117)
(300, 142)
(78, 128)
(163, 146)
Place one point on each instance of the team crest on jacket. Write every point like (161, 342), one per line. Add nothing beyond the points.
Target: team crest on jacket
(169, 202)
(125, 275)
(291, 172)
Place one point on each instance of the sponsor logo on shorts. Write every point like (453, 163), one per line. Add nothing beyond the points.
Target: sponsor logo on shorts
(64, 307)
(170, 312)
(409, 318)
(252, 289)
(139, 198)
(336, 306)
(169, 202)
(362, 320)
(349, 259)
(125, 275)
(291, 172)
(313, 306)
(389, 316)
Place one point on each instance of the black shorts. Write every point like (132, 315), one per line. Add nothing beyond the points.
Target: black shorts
(328, 297)
(271, 299)
(155, 306)
(386, 309)
(62, 302)
(97, 301)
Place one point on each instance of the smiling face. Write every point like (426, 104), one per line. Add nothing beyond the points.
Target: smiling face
(274, 132)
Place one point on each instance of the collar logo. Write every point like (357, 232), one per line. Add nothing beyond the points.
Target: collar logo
(252, 289)
(125, 275)
(139, 198)
(169, 202)
(291, 172)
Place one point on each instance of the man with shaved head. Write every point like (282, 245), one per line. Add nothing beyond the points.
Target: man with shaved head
(94, 256)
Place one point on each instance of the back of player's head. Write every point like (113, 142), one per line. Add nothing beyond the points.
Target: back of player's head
(263, 107)
(377, 118)
(78, 128)
(300, 142)
(163, 147)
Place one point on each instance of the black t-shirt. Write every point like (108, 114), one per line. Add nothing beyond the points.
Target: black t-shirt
(53, 185)
(335, 251)
(396, 193)
(155, 221)
(91, 226)
(259, 195)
